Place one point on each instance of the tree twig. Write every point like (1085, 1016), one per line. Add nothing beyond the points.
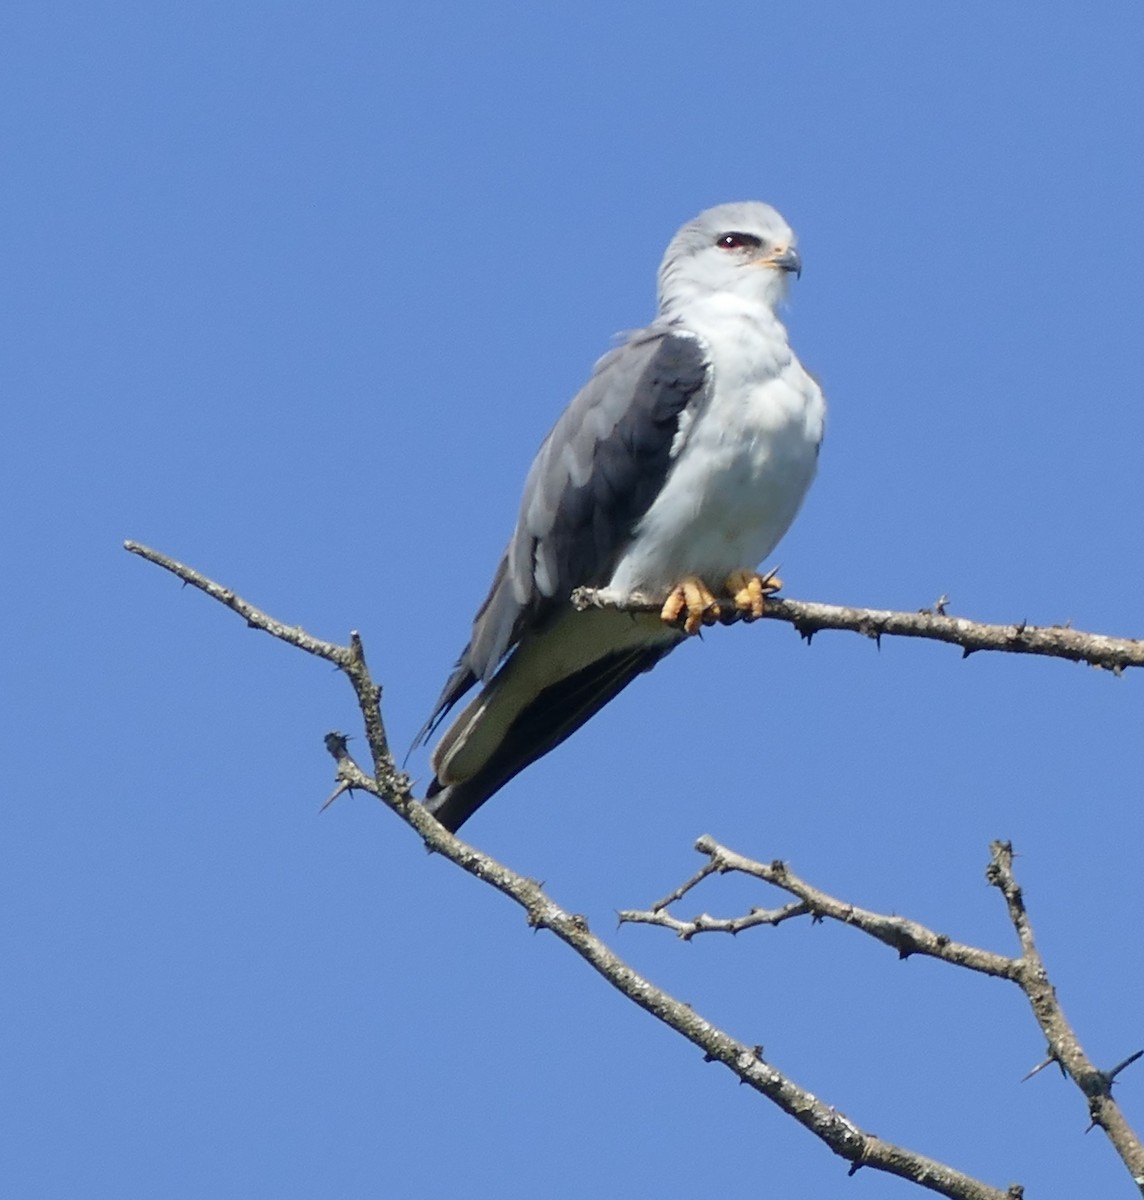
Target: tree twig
(392, 787)
(904, 936)
(1054, 641)
(1064, 1045)
(907, 937)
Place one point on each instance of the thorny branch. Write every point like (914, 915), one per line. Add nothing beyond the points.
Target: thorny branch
(1053, 641)
(905, 936)
(390, 785)
(1064, 1046)
(1027, 970)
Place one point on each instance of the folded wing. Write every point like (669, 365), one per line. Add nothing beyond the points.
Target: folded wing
(545, 668)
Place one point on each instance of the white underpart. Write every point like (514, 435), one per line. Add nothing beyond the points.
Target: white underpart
(743, 462)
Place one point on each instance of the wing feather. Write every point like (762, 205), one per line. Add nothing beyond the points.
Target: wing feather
(595, 475)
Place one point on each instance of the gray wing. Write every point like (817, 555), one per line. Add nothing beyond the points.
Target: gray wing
(595, 475)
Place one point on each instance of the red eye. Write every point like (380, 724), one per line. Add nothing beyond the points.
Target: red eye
(738, 241)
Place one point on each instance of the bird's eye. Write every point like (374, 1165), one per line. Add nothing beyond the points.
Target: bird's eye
(739, 241)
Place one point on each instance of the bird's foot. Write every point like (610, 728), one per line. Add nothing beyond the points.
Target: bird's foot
(748, 591)
(689, 605)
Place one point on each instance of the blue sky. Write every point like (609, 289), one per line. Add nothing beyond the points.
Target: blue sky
(292, 292)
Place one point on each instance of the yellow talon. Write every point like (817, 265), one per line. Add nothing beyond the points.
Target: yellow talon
(689, 605)
(749, 591)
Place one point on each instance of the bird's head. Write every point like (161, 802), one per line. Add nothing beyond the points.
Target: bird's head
(745, 250)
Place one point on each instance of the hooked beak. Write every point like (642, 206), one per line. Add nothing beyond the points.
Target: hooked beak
(784, 259)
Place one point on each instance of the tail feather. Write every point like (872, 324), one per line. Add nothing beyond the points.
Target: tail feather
(553, 715)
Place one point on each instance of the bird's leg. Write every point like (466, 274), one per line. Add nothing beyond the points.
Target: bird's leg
(749, 591)
(690, 604)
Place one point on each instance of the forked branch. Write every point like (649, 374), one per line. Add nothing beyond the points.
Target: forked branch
(390, 785)
(1027, 970)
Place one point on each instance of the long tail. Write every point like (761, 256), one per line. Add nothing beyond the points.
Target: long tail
(555, 713)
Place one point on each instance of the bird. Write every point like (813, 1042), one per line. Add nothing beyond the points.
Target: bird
(673, 473)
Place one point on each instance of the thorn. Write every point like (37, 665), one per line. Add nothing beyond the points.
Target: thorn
(342, 787)
(1040, 1067)
(1111, 1075)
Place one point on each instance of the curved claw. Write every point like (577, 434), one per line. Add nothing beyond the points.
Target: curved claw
(689, 605)
(749, 591)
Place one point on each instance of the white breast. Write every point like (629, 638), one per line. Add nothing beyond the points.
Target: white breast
(743, 460)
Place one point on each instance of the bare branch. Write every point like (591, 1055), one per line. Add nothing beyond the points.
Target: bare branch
(392, 787)
(1064, 1045)
(1028, 971)
(254, 617)
(351, 658)
(905, 936)
(1054, 641)
(705, 923)
(710, 868)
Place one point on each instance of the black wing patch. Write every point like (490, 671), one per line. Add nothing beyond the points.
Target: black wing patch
(594, 522)
(594, 477)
